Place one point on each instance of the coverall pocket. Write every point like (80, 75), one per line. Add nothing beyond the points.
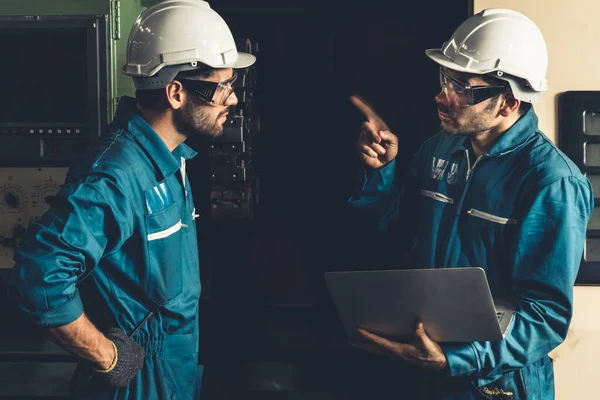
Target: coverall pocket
(165, 280)
(509, 386)
(539, 380)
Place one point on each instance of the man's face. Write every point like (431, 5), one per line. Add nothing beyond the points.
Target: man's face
(201, 118)
(466, 121)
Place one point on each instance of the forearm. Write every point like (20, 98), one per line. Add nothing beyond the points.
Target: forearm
(83, 339)
(378, 197)
(373, 185)
(537, 329)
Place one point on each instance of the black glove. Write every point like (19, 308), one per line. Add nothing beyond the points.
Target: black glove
(129, 357)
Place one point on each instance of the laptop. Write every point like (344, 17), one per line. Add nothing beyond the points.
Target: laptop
(454, 304)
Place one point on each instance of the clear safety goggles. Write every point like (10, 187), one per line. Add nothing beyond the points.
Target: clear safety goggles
(464, 95)
(215, 93)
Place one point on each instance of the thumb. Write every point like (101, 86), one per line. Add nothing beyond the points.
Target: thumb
(420, 334)
(387, 136)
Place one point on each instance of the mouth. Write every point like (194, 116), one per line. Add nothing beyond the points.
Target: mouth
(443, 117)
(223, 117)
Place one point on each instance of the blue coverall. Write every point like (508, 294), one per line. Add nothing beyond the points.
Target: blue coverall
(519, 211)
(119, 241)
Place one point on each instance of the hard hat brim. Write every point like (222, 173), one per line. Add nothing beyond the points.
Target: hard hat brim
(437, 56)
(244, 60)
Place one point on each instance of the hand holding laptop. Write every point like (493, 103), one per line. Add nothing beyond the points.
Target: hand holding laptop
(422, 351)
(454, 304)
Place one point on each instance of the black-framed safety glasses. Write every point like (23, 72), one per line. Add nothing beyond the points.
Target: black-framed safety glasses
(464, 94)
(215, 93)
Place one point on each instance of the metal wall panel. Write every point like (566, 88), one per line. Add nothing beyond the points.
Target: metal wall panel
(128, 11)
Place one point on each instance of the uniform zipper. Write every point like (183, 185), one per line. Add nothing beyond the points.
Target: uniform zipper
(490, 217)
(437, 196)
(460, 203)
(469, 168)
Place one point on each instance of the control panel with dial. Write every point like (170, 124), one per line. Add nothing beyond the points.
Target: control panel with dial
(23, 199)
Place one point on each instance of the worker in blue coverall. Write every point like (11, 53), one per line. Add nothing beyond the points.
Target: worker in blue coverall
(118, 243)
(489, 190)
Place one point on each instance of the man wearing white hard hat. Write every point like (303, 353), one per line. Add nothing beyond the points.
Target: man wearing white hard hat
(111, 271)
(491, 191)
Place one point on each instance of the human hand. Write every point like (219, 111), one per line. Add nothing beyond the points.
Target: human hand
(128, 360)
(421, 351)
(376, 145)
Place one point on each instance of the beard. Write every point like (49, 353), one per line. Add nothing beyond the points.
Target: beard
(476, 122)
(194, 120)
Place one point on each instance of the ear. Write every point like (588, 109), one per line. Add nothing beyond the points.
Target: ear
(509, 104)
(176, 95)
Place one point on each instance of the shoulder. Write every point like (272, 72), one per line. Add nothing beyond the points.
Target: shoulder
(548, 163)
(116, 157)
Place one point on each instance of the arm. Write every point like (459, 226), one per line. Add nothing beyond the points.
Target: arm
(383, 199)
(81, 338)
(378, 196)
(545, 254)
(377, 148)
(62, 249)
(374, 189)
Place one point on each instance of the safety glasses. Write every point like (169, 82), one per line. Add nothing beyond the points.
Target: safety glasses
(465, 95)
(215, 93)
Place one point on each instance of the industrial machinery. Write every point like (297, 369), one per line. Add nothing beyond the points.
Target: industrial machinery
(50, 111)
(55, 98)
(233, 180)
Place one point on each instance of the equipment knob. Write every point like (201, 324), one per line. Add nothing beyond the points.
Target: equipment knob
(11, 200)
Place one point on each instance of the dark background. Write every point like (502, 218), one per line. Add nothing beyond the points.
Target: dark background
(312, 57)
(264, 297)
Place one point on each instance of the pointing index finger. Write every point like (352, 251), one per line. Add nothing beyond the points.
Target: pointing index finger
(368, 111)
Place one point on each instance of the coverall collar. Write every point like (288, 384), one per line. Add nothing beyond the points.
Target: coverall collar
(166, 161)
(514, 137)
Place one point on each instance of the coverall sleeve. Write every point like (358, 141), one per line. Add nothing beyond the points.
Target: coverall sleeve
(385, 200)
(86, 220)
(544, 256)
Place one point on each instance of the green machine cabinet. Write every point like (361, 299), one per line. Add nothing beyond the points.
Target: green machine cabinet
(121, 15)
(31, 366)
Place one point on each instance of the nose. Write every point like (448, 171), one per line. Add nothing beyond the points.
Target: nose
(442, 97)
(232, 100)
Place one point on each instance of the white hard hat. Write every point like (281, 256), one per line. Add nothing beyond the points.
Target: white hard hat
(502, 43)
(179, 35)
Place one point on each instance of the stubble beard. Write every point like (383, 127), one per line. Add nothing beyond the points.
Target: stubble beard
(477, 122)
(193, 120)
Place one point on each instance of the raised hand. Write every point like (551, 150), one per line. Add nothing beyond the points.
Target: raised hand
(376, 145)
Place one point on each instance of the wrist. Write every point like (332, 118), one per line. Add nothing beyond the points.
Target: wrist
(108, 357)
(443, 365)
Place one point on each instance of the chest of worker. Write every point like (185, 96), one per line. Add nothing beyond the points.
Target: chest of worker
(166, 227)
(165, 205)
(475, 196)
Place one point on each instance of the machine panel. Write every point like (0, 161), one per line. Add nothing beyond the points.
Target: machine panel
(23, 194)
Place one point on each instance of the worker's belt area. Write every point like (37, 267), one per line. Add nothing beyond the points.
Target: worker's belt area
(168, 345)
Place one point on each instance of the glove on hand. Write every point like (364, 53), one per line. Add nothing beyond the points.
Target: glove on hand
(129, 359)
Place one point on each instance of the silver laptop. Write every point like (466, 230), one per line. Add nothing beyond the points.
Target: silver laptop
(454, 304)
